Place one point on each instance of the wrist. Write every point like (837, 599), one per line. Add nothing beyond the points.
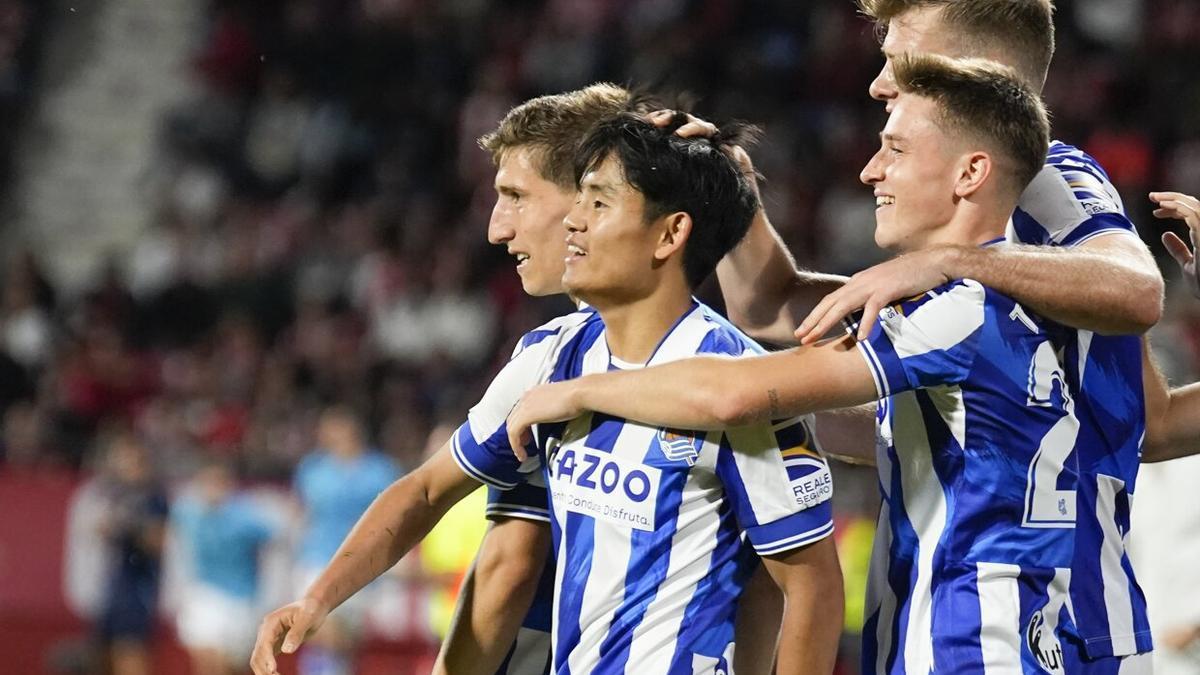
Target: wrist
(952, 261)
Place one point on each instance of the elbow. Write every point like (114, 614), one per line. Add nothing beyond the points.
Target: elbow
(730, 406)
(509, 573)
(1143, 306)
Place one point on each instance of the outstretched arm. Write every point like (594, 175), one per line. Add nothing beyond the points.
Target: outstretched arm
(707, 392)
(398, 518)
(1109, 284)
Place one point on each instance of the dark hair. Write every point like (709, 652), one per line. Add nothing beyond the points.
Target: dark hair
(552, 126)
(696, 176)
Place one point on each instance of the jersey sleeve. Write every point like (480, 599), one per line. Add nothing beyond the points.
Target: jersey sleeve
(928, 342)
(480, 445)
(778, 484)
(1069, 202)
(527, 501)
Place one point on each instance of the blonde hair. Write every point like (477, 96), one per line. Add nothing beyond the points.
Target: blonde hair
(554, 126)
(1021, 30)
(984, 101)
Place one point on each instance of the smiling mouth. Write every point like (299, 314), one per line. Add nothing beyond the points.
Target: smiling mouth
(884, 200)
(522, 258)
(574, 252)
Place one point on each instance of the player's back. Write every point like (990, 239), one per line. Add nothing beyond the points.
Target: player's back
(1069, 202)
(976, 428)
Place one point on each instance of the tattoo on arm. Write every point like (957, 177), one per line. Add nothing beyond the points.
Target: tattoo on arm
(773, 397)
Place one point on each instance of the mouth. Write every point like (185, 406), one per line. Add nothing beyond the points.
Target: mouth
(575, 253)
(522, 258)
(884, 200)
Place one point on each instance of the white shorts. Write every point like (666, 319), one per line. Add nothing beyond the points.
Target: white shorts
(209, 618)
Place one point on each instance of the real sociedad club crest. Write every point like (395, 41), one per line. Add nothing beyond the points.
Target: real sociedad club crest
(679, 445)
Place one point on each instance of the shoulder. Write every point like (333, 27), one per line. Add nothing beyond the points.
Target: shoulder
(1071, 188)
(721, 337)
(557, 329)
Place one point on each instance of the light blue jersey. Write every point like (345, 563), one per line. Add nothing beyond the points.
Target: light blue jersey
(335, 493)
(223, 542)
(651, 525)
(1069, 202)
(975, 543)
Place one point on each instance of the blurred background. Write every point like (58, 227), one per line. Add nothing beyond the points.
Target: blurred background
(244, 263)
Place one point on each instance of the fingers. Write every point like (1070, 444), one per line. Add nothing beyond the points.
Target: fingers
(262, 659)
(298, 632)
(806, 332)
(1178, 249)
(693, 128)
(518, 437)
(871, 312)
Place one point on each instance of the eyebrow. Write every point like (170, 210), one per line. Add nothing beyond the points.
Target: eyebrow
(606, 189)
(890, 137)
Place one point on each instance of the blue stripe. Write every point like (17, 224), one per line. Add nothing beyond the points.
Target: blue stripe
(814, 524)
(535, 336)
(1097, 224)
(708, 621)
(579, 532)
(645, 573)
(468, 466)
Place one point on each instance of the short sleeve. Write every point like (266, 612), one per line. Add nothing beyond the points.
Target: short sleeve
(1070, 201)
(926, 343)
(480, 445)
(527, 501)
(778, 483)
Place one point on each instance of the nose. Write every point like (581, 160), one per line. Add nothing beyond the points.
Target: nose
(872, 173)
(574, 220)
(883, 87)
(500, 228)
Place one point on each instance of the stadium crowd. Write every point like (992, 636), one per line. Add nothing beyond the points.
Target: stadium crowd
(322, 201)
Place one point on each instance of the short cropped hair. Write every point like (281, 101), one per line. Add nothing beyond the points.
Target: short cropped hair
(675, 174)
(553, 126)
(985, 102)
(1022, 30)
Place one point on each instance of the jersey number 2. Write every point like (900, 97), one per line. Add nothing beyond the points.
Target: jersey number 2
(1045, 504)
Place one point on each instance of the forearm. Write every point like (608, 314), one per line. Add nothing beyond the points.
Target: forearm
(814, 606)
(1110, 286)
(765, 292)
(395, 522)
(712, 393)
(495, 598)
(1178, 431)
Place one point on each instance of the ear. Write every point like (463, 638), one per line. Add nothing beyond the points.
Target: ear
(674, 231)
(975, 168)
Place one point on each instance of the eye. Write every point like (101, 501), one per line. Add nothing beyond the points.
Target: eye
(597, 204)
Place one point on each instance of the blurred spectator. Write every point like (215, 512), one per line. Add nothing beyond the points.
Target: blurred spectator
(222, 534)
(335, 485)
(134, 523)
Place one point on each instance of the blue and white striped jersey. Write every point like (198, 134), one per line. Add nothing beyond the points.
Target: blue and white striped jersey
(975, 539)
(1069, 202)
(649, 523)
(530, 653)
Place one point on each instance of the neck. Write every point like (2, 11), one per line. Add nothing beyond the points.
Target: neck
(973, 224)
(635, 328)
